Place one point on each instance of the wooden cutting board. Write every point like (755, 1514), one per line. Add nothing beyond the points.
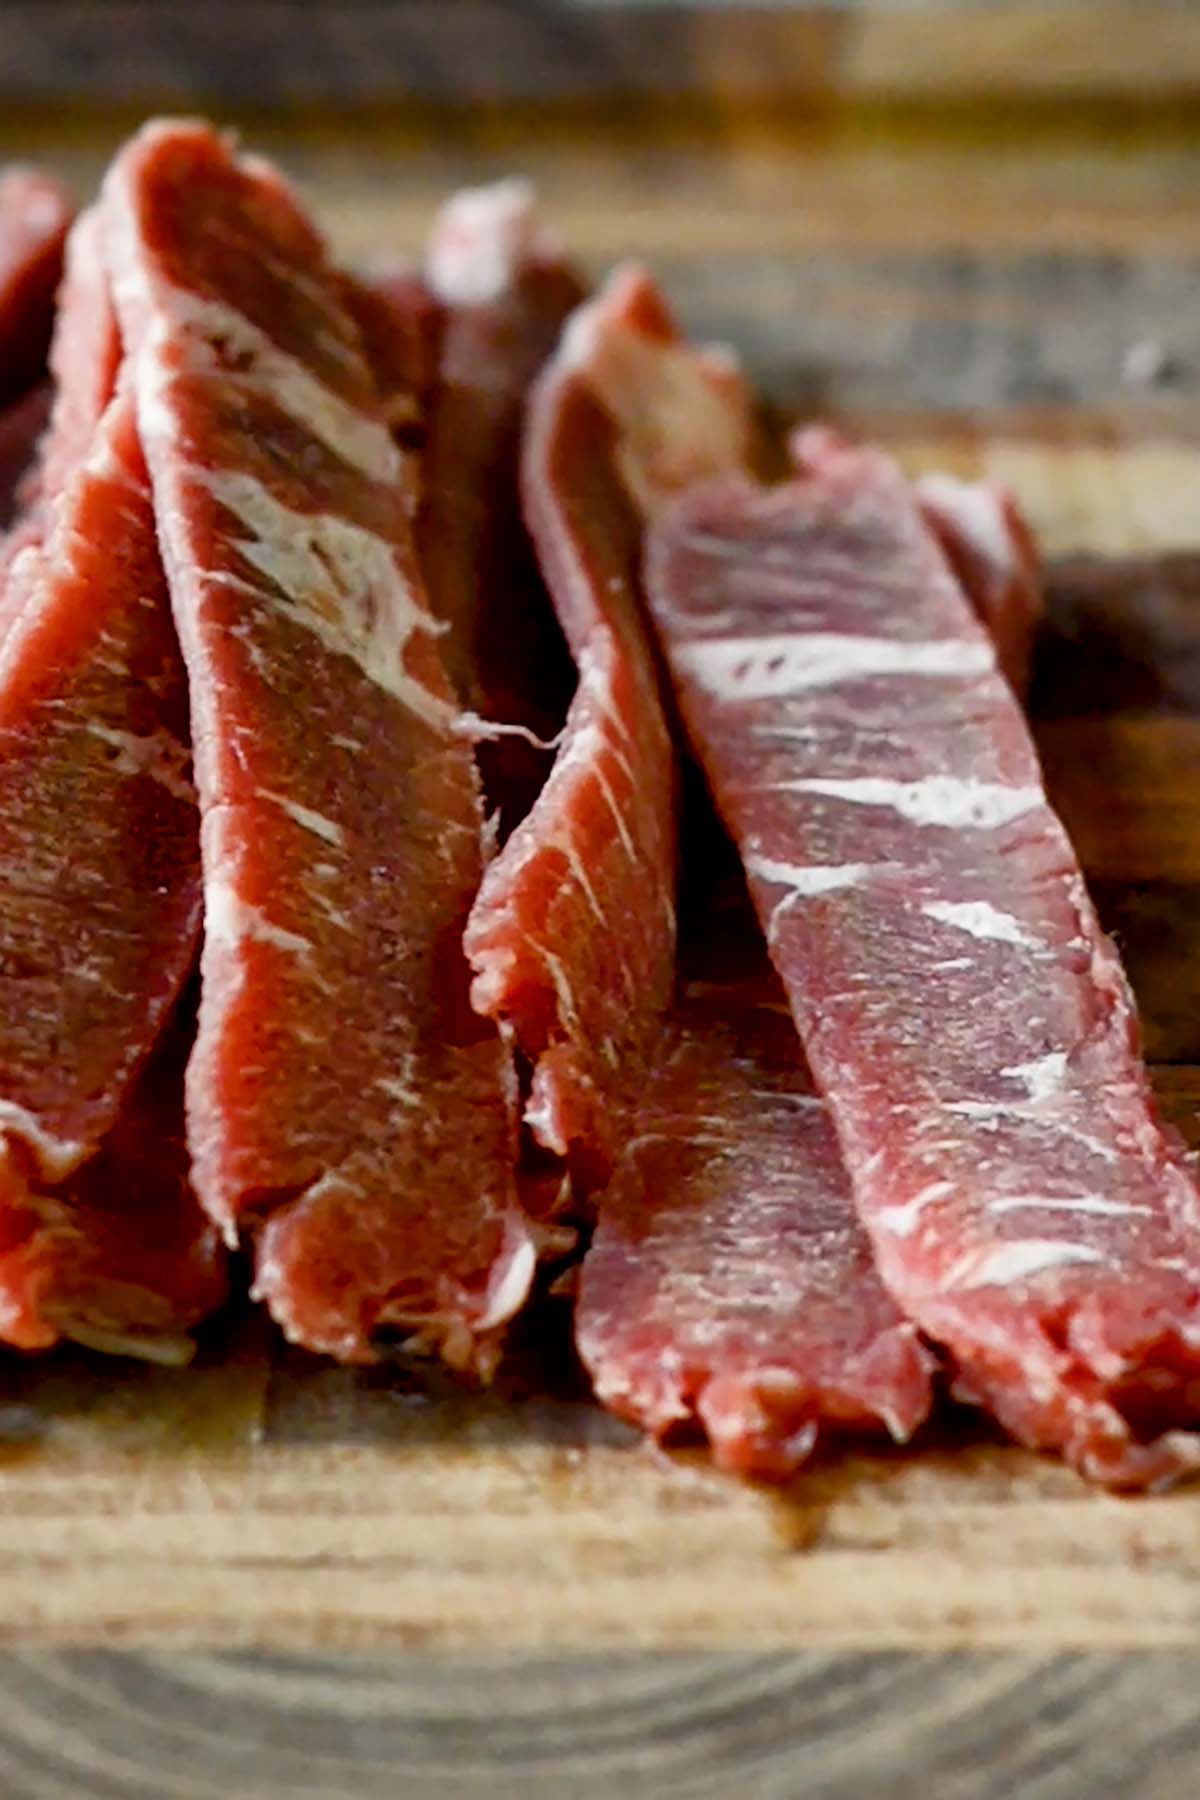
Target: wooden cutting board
(189, 1559)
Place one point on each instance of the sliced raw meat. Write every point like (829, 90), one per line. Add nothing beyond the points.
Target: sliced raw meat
(991, 549)
(21, 428)
(729, 1279)
(120, 1256)
(573, 935)
(35, 212)
(345, 1106)
(964, 1015)
(506, 292)
(84, 356)
(399, 322)
(100, 1236)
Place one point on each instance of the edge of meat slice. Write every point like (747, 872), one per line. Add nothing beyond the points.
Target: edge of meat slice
(965, 1017)
(505, 288)
(399, 321)
(347, 1111)
(101, 1238)
(729, 1279)
(991, 549)
(35, 212)
(84, 356)
(572, 937)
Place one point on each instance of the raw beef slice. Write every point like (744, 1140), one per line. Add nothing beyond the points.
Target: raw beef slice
(991, 549)
(84, 355)
(505, 291)
(572, 937)
(398, 321)
(101, 1238)
(346, 1108)
(35, 212)
(964, 1015)
(729, 1278)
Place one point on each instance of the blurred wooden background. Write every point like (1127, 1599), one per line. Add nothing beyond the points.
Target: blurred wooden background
(356, 53)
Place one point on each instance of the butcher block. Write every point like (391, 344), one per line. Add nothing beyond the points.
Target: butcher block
(265, 1574)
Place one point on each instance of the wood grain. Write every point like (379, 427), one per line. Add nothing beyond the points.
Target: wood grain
(265, 1577)
(356, 53)
(881, 1726)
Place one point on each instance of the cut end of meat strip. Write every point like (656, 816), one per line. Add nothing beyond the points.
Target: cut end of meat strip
(991, 550)
(967, 1020)
(346, 1108)
(572, 938)
(503, 650)
(397, 323)
(35, 211)
(84, 356)
(680, 413)
(1102, 1371)
(729, 1280)
(120, 1258)
(327, 1269)
(482, 240)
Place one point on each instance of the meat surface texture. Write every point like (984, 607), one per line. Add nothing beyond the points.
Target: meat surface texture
(573, 936)
(505, 290)
(346, 1107)
(397, 321)
(101, 1237)
(84, 355)
(729, 1279)
(966, 1019)
(35, 212)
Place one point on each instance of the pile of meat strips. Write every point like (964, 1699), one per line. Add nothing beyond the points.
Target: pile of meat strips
(352, 639)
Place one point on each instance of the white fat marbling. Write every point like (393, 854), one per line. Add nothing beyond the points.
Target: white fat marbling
(365, 443)
(618, 817)
(1042, 1078)
(902, 1220)
(562, 988)
(805, 879)
(772, 667)
(337, 580)
(1096, 1204)
(157, 755)
(316, 822)
(947, 801)
(997, 1265)
(56, 1156)
(562, 842)
(980, 919)
(991, 1114)
(228, 919)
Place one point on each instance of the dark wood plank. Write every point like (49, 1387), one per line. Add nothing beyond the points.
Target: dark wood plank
(417, 52)
(472, 52)
(831, 1727)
